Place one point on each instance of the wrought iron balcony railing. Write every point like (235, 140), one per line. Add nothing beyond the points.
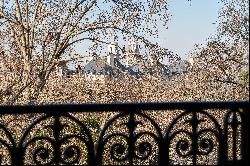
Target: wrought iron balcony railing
(126, 133)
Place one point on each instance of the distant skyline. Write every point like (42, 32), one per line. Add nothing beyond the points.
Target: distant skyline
(189, 24)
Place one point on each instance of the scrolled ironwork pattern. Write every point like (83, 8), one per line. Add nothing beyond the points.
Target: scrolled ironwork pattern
(133, 136)
(136, 143)
(192, 143)
(57, 145)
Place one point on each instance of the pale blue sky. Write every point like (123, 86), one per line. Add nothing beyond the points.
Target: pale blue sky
(189, 24)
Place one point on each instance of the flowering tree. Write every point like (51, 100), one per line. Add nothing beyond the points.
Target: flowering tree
(51, 29)
(35, 34)
(225, 56)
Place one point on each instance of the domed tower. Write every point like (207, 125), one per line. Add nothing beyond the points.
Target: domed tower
(132, 51)
(112, 53)
(133, 47)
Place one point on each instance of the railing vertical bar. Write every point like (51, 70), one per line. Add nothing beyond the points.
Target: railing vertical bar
(164, 153)
(131, 128)
(225, 152)
(245, 136)
(234, 126)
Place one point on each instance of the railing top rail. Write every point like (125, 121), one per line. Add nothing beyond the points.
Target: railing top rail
(98, 107)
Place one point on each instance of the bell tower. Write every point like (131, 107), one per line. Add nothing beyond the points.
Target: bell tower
(112, 53)
(133, 47)
(132, 51)
(113, 48)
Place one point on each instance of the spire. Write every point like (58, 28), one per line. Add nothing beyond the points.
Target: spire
(113, 48)
(112, 53)
(133, 47)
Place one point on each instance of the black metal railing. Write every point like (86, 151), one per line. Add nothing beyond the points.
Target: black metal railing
(168, 133)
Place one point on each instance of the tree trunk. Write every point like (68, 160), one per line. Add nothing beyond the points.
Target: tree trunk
(27, 80)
